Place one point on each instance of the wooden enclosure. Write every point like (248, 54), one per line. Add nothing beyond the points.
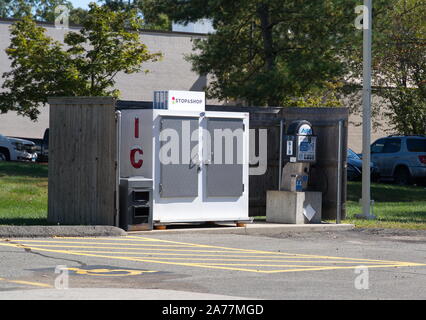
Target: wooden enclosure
(82, 161)
(325, 122)
(83, 157)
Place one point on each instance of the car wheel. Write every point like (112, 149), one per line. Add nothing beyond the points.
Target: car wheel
(402, 176)
(3, 156)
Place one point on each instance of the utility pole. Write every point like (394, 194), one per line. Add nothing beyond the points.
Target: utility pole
(366, 114)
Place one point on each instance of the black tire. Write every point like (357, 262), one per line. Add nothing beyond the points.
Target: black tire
(4, 156)
(402, 176)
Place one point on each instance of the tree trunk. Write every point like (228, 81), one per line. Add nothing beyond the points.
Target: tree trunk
(263, 12)
(268, 44)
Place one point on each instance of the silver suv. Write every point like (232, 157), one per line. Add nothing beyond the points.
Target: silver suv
(401, 158)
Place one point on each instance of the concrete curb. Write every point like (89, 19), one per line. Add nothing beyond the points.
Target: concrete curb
(59, 231)
(110, 231)
(254, 229)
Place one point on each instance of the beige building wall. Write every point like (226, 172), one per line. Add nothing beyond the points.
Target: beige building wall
(173, 72)
(355, 132)
(380, 127)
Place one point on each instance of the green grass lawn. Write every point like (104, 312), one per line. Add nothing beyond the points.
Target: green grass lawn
(23, 193)
(23, 200)
(395, 206)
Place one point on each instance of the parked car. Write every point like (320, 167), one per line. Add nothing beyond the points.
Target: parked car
(44, 154)
(41, 146)
(401, 158)
(14, 149)
(354, 169)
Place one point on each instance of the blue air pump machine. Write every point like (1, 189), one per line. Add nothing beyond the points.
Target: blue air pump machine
(299, 153)
(293, 203)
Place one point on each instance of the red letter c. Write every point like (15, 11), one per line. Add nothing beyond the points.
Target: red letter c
(139, 163)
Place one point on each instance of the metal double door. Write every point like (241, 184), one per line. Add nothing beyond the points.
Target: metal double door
(206, 150)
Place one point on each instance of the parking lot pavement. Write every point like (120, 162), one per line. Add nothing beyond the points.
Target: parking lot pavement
(348, 265)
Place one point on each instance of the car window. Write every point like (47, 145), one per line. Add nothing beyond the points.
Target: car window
(378, 146)
(416, 145)
(392, 145)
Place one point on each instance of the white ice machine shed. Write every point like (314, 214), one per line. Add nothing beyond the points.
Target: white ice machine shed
(198, 189)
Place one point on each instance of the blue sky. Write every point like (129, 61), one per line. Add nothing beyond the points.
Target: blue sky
(81, 3)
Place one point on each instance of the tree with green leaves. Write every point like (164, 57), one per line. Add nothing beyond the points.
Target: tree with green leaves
(159, 22)
(107, 43)
(267, 52)
(120, 4)
(41, 10)
(4, 8)
(400, 66)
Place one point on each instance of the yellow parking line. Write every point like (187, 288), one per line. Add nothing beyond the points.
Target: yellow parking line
(144, 248)
(31, 283)
(185, 244)
(193, 257)
(274, 253)
(264, 265)
(201, 265)
(102, 243)
(338, 267)
(154, 251)
(123, 238)
(36, 284)
(188, 255)
(124, 258)
(234, 250)
(228, 251)
(140, 260)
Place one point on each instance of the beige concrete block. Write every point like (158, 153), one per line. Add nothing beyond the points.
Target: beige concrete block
(289, 207)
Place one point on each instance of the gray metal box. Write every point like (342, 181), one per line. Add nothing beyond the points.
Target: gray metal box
(136, 204)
